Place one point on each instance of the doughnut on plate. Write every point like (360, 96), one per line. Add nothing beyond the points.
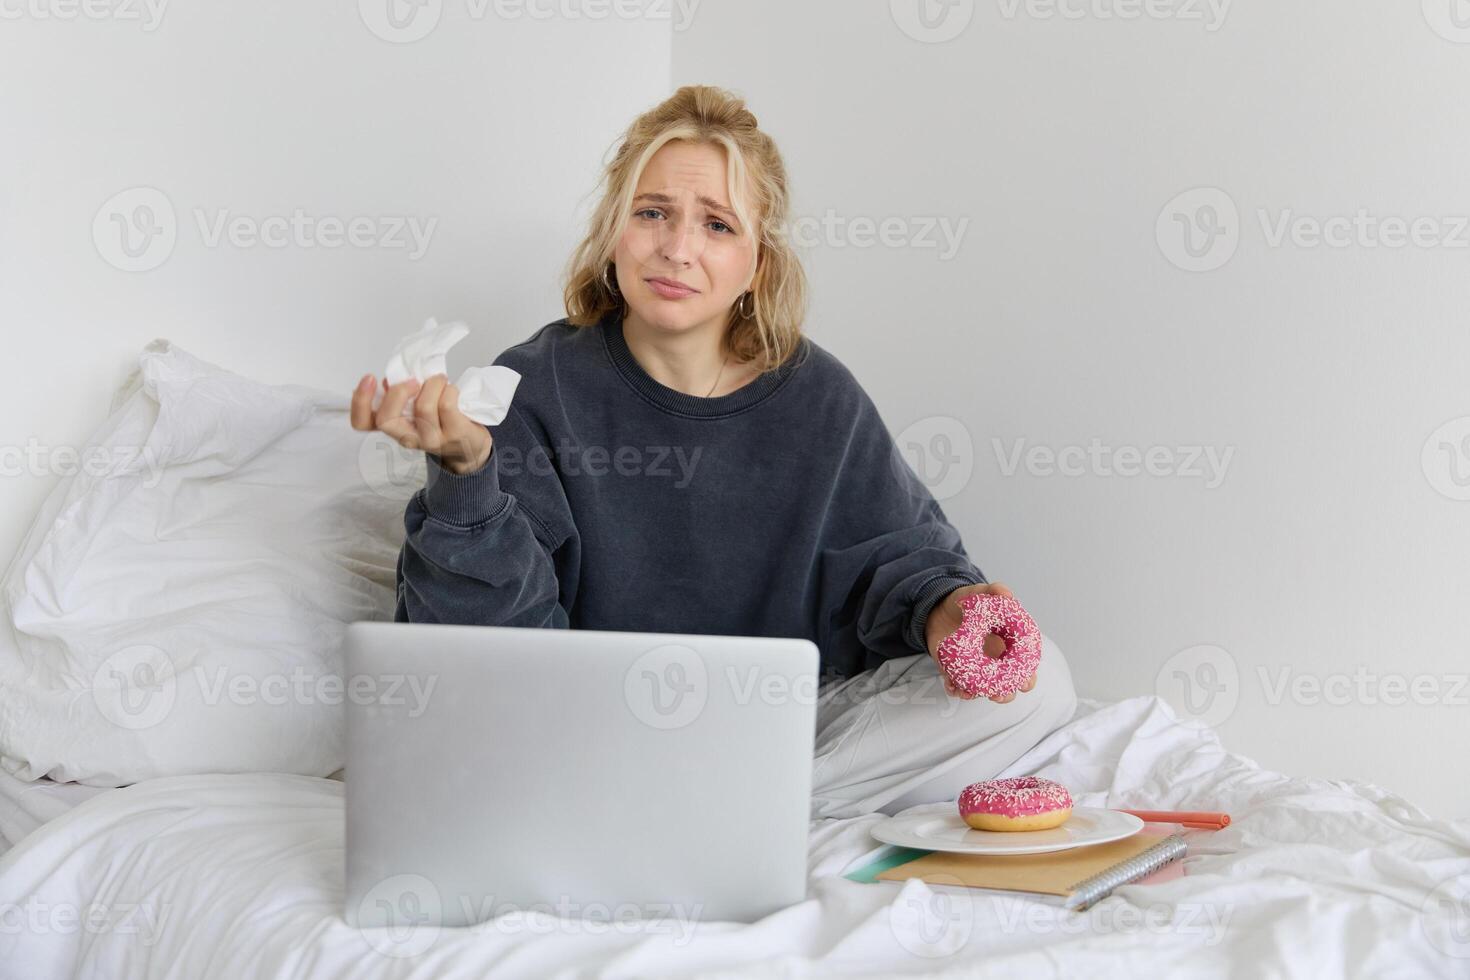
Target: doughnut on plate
(939, 827)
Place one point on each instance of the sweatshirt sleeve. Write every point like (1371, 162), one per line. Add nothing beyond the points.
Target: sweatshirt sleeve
(496, 547)
(889, 555)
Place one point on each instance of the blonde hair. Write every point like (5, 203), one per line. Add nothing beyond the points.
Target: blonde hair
(703, 115)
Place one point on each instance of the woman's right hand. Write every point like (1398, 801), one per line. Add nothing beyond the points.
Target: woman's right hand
(437, 425)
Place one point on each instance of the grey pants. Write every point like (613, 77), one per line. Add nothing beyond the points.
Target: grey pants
(890, 738)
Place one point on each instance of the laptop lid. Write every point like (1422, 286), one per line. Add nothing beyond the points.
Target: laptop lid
(588, 773)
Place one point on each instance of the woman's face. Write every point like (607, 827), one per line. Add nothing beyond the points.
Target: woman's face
(683, 230)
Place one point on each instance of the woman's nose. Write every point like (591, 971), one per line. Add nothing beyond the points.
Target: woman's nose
(682, 241)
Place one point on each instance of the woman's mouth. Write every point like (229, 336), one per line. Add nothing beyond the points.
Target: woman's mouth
(669, 289)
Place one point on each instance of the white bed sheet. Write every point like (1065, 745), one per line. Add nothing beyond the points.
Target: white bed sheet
(27, 804)
(241, 875)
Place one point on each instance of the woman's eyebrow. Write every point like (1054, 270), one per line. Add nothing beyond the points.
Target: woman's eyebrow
(708, 202)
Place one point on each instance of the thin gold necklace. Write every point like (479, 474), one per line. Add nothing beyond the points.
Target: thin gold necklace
(717, 377)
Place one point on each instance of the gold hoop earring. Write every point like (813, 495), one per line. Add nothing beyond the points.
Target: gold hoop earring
(610, 286)
(740, 306)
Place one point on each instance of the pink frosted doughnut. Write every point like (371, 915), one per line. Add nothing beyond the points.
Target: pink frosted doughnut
(1018, 803)
(962, 653)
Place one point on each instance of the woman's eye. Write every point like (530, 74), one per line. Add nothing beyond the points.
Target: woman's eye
(723, 225)
(647, 211)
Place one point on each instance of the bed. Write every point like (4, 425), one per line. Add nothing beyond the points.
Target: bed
(241, 875)
(162, 815)
(27, 804)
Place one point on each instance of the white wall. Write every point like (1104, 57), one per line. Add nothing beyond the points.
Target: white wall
(492, 128)
(1060, 319)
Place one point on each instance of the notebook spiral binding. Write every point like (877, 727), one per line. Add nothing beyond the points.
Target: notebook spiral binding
(1100, 885)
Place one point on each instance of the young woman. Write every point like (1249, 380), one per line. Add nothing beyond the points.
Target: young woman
(680, 458)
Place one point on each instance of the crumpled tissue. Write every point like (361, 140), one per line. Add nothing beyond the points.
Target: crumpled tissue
(484, 392)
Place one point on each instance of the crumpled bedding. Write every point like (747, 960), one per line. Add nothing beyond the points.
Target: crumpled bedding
(241, 875)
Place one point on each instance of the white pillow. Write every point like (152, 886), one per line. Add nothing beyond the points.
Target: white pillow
(182, 611)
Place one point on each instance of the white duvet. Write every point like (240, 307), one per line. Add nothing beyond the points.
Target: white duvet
(241, 875)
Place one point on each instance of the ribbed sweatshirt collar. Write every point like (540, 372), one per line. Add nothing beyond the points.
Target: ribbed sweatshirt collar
(677, 402)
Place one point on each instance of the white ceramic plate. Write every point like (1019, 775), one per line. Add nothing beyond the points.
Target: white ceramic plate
(941, 828)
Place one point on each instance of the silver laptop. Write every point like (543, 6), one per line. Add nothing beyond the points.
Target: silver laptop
(590, 774)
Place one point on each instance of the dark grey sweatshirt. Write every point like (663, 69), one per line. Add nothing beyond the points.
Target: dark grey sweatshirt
(613, 502)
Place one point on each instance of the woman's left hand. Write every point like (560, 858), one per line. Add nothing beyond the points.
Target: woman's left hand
(946, 617)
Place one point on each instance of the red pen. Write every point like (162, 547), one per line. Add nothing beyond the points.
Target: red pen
(1195, 819)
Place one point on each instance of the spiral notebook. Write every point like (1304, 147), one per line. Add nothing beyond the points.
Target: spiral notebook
(1078, 877)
